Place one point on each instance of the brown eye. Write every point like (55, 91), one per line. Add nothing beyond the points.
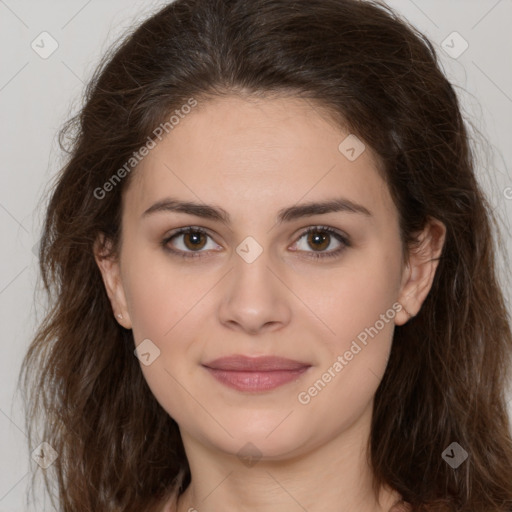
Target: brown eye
(187, 242)
(194, 240)
(318, 240)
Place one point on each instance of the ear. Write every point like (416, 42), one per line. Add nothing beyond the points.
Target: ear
(418, 275)
(110, 270)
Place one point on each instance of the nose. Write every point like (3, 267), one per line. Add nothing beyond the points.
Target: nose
(255, 297)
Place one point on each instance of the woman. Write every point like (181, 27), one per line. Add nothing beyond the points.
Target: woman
(273, 274)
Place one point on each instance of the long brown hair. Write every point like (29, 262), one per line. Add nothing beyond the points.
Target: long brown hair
(447, 373)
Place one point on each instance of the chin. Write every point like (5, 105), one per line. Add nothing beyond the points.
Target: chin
(267, 437)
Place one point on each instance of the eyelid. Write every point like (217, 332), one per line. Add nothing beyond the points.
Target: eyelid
(340, 236)
(182, 231)
(317, 255)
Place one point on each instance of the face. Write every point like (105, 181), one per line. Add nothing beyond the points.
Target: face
(248, 279)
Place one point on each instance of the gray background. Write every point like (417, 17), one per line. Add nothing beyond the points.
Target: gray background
(37, 94)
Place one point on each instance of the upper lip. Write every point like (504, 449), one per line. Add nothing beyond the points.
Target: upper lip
(254, 364)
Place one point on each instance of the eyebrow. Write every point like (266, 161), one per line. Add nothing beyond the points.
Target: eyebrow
(288, 214)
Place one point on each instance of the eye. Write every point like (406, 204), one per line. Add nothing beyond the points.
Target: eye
(194, 239)
(321, 237)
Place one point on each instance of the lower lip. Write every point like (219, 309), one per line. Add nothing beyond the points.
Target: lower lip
(256, 381)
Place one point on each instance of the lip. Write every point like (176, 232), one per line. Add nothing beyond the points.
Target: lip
(255, 373)
(254, 364)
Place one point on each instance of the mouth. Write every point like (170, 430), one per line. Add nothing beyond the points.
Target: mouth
(255, 373)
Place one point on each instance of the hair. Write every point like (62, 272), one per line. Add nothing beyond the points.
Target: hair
(447, 374)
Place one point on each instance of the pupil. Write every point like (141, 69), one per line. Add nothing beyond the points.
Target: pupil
(193, 240)
(319, 239)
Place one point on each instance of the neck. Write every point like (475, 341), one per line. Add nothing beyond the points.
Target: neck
(332, 477)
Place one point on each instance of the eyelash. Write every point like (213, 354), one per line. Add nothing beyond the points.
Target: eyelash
(313, 229)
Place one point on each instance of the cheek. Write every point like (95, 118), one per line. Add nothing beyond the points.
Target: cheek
(358, 308)
(355, 296)
(360, 313)
(165, 306)
(159, 295)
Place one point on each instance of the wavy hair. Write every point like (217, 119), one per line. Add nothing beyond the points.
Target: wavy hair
(449, 366)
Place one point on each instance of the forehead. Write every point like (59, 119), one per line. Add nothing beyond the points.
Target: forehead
(251, 153)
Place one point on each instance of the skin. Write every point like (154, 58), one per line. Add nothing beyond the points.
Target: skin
(253, 157)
